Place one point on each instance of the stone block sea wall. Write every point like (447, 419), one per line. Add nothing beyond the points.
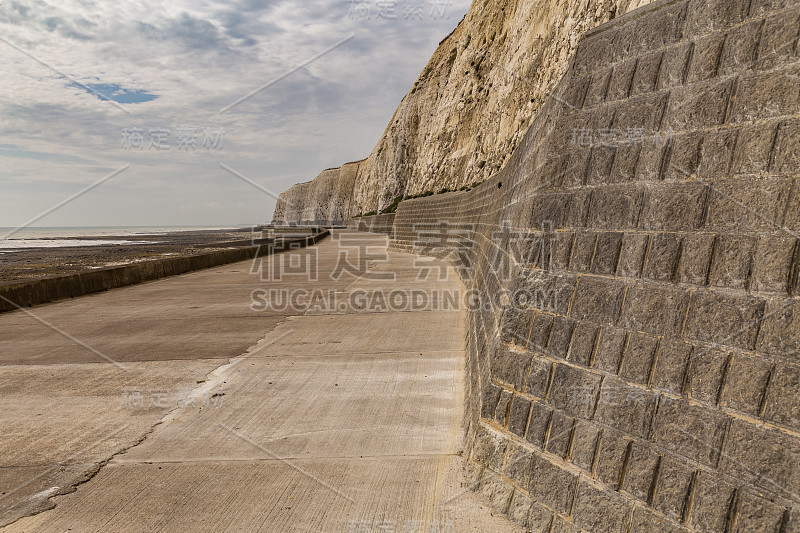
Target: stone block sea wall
(654, 205)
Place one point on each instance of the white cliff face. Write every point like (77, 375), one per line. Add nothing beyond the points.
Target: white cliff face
(328, 198)
(472, 104)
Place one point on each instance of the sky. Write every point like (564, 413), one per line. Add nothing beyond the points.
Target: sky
(195, 112)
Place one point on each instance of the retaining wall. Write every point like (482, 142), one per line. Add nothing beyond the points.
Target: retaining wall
(653, 210)
(20, 294)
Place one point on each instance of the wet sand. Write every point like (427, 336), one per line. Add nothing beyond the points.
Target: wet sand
(32, 263)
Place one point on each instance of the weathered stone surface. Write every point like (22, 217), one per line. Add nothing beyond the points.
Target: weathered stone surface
(733, 321)
(600, 510)
(671, 365)
(690, 431)
(552, 485)
(598, 299)
(609, 349)
(574, 391)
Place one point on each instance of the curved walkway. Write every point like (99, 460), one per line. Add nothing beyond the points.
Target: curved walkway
(342, 417)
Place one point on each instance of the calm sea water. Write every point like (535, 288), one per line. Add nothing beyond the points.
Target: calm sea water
(44, 237)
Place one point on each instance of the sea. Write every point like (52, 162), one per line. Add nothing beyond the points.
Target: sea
(51, 237)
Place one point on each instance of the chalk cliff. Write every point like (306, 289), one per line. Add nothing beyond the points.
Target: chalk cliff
(467, 111)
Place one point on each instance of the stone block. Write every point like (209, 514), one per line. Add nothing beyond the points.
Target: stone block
(724, 319)
(503, 409)
(691, 431)
(638, 359)
(510, 366)
(491, 395)
(562, 249)
(675, 207)
(539, 377)
(731, 264)
(713, 498)
(684, 156)
(662, 260)
(520, 508)
(578, 208)
(615, 208)
(696, 253)
(583, 251)
(562, 525)
(753, 151)
(706, 57)
(548, 209)
(540, 332)
(671, 365)
(783, 400)
(560, 337)
(748, 204)
(706, 370)
(574, 390)
(639, 116)
(610, 344)
(640, 470)
(625, 408)
(547, 292)
(582, 344)
(674, 66)
(600, 163)
(518, 419)
(501, 496)
(717, 154)
(621, 80)
(709, 15)
(757, 514)
(606, 253)
(515, 326)
(746, 383)
(540, 519)
(786, 155)
(740, 47)
(560, 434)
(552, 485)
(517, 464)
(611, 457)
(672, 487)
(594, 51)
(654, 157)
(626, 161)
(597, 509)
(631, 260)
(647, 70)
(489, 448)
(650, 32)
(584, 445)
(772, 263)
(655, 308)
(646, 521)
(764, 457)
(777, 43)
(538, 423)
(699, 105)
(598, 88)
(764, 95)
(598, 300)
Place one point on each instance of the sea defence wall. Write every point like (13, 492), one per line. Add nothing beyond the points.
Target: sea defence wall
(16, 295)
(649, 379)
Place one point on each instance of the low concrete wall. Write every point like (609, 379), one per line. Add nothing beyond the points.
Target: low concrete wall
(20, 294)
(651, 214)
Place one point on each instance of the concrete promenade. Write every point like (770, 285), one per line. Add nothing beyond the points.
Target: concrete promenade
(178, 405)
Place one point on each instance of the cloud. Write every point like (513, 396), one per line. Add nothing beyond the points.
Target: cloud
(176, 65)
